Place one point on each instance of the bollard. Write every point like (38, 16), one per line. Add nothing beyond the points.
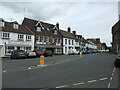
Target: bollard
(81, 54)
(42, 60)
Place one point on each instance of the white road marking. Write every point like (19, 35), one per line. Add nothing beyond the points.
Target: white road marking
(78, 83)
(112, 74)
(29, 67)
(109, 85)
(114, 69)
(103, 79)
(92, 81)
(4, 70)
(111, 78)
(62, 86)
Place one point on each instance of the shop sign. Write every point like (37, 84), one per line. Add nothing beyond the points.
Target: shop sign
(42, 43)
(20, 42)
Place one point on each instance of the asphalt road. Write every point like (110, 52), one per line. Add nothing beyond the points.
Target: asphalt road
(89, 71)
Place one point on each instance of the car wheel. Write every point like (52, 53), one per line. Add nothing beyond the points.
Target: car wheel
(116, 64)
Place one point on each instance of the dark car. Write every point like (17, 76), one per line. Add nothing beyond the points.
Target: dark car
(39, 52)
(48, 53)
(117, 61)
(18, 54)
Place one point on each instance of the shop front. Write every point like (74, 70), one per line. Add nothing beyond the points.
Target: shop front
(14, 44)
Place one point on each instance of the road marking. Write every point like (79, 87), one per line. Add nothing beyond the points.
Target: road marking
(112, 74)
(62, 86)
(109, 85)
(92, 81)
(103, 79)
(114, 69)
(111, 78)
(29, 67)
(78, 83)
(4, 70)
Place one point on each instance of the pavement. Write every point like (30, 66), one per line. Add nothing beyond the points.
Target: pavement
(89, 71)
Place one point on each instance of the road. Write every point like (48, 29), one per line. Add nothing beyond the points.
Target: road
(89, 71)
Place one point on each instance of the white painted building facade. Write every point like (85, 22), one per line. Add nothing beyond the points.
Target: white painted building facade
(11, 41)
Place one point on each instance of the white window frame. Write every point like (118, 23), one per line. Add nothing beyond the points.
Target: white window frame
(42, 38)
(28, 37)
(15, 26)
(55, 31)
(5, 35)
(66, 41)
(2, 24)
(39, 29)
(37, 37)
(20, 37)
(53, 40)
(47, 39)
(60, 40)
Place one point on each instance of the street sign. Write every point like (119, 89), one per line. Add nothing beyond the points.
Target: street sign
(41, 59)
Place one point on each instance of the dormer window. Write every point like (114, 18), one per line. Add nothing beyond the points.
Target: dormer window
(39, 29)
(15, 26)
(2, 24)
(55, 31)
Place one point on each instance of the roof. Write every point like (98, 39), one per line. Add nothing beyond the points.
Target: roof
(9, 28)
(116, 27)
(67, 34)
(31, 24)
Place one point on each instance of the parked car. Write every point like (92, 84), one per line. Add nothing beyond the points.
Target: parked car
(39, 52)
(31, 53)
(117, 61)
(48, 53)
(18, 54)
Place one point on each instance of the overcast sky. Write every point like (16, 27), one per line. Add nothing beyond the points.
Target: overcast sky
(90, 19)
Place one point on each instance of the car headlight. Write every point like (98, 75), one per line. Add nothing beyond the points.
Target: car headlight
(118, 57)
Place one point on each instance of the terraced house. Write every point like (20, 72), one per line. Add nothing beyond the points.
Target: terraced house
(14, 36)
(46, 35)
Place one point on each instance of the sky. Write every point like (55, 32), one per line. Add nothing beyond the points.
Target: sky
(89, 19)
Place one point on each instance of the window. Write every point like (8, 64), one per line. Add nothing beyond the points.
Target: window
(69, 42)
(20, 36)
(53, 40)
(37, 38)
(42, 38)
(60, 41)
(55, 31)
(65, 49)
(5, 35)
(56, 40)
(38, 28)
(28, 37)
(58, 50)
(1, 24)
(72, 42)
(15, 26)
(65, 41)
(47, 39)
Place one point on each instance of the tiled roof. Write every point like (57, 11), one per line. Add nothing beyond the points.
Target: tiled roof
(30, 23)
(67, 34)
(9, 28)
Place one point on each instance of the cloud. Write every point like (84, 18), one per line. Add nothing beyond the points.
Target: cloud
(93, 19)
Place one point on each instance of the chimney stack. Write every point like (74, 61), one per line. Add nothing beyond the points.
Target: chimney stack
(74, 32)
(57, 25)
(69, 29)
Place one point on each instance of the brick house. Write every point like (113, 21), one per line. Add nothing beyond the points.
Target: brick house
(46, 35)
(116, 37)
